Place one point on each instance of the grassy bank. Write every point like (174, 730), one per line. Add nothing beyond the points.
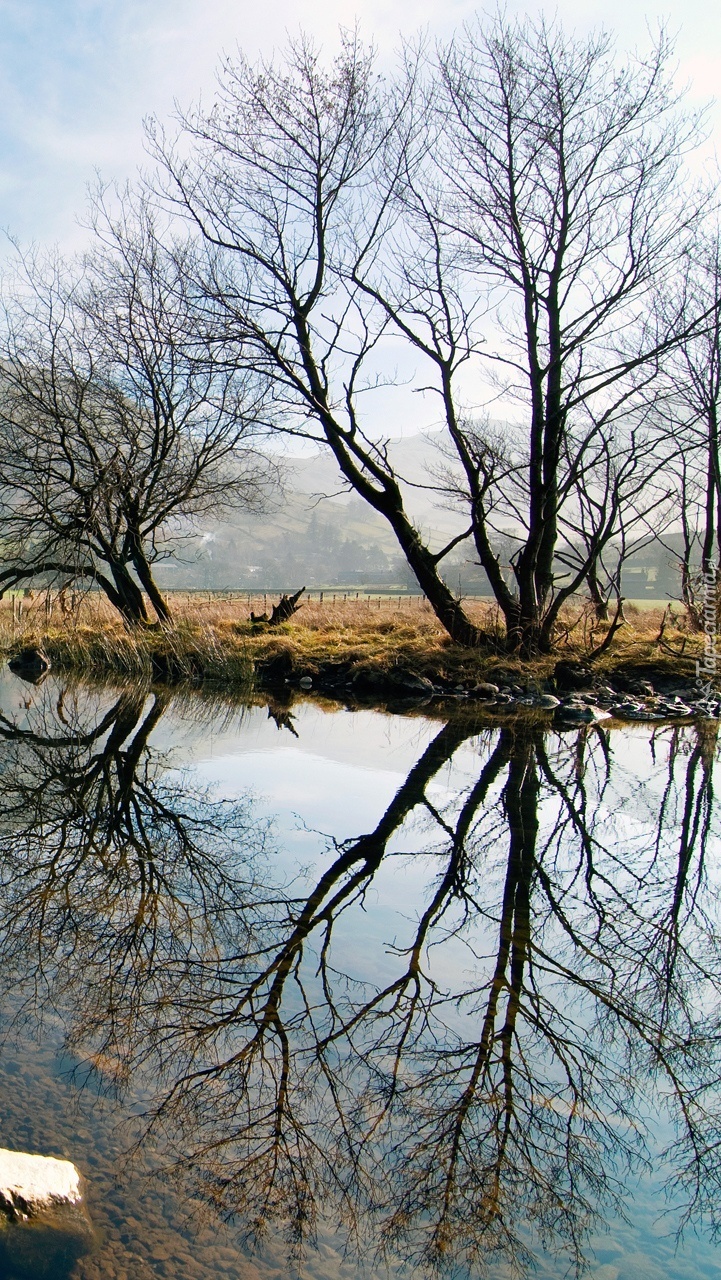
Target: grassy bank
(212, 638)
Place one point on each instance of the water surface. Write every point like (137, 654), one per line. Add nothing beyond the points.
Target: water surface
(366, 991)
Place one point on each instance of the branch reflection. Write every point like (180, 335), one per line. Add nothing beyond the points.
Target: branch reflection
(463, 1088)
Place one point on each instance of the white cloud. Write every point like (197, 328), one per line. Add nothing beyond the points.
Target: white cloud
(78, 76)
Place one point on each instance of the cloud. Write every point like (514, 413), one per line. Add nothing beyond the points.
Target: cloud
(78, 76)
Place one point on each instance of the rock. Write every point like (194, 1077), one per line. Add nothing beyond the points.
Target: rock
(628, 709)
(547, 700)
(485, 691)
(30, 664)
(369, 679)
(408, 682)
(572, 675)
(305, 682)
(44, 1224)
(673, 708)
(641, 688)
(400, 684)
(333, 675)
(570, 714)
(581, 713)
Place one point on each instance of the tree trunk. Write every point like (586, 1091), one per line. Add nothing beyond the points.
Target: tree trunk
(358, 466)
(600, 603)
(145, 573)
(447, 608)
(130, 602)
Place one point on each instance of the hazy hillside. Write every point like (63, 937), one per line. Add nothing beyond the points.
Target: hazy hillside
(317, 535)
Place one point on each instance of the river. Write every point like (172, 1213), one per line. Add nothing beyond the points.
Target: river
(321, 990)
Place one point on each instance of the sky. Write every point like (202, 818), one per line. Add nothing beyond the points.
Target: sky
(77, 77)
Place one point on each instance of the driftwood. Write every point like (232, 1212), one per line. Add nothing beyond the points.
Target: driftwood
(282, 611)
(618, 621)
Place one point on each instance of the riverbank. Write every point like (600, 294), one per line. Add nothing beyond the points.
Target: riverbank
(389, 648)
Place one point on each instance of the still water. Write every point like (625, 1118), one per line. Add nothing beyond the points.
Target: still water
(340, 993)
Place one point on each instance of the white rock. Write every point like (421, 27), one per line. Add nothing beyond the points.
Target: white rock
(32, 1184)
(45, 1227)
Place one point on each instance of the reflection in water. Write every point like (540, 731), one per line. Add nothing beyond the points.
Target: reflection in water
(468, 1087)
(118, 883)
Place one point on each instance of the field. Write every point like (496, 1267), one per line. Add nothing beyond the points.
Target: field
(211, 637)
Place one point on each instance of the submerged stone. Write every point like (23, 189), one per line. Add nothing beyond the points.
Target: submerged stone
(30, 664)
(44, 1224)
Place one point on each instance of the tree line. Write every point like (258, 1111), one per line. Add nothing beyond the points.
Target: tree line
(505, 228)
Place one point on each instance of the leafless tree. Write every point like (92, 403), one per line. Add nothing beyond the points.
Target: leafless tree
(558, 190)
(283, 179)
(689, 421)
(623, 503)
(501, 214)
(117, 420)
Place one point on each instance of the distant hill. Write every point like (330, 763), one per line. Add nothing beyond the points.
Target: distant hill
(315, 534)
(319, 535)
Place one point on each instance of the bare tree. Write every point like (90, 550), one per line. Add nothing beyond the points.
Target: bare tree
(118, 419)
(622, 506)
(555, 208)
(689, 418)
(506, 214)
(284, 178)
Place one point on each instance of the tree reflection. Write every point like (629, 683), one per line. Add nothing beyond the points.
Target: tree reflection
(459, 1091)
(119, 880)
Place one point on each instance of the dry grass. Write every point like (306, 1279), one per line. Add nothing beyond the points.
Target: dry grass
(212, 637)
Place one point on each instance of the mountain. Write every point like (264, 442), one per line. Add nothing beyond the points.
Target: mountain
(315, 534)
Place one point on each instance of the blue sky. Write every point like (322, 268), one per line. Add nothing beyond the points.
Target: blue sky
(78, 76)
